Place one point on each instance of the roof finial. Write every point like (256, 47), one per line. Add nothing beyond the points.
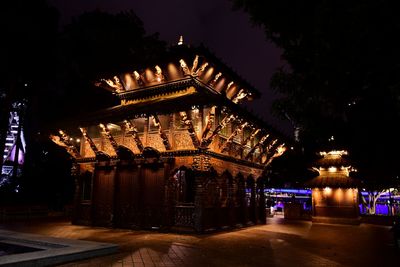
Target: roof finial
(180, 42)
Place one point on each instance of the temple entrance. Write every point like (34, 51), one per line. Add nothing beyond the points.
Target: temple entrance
(183, 190)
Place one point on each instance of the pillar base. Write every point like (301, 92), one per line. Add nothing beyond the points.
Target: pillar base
(336, 220)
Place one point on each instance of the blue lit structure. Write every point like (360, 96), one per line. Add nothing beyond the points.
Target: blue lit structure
(14, 148)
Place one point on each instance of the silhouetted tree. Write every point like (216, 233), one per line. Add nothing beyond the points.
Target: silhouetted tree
(27, 49)
(341, 76)
(55, 70)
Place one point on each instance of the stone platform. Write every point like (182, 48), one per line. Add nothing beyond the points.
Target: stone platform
(39, 250)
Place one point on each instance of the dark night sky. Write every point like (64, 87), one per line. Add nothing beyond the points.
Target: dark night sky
(227, 33)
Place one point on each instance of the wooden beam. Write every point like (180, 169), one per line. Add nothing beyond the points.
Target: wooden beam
(97, 152)
(266, 150)
(278, 152)
(226, 120)
(163, 136)
(64, 141)
(106, 132)
(229, 141)
(209, 124)
(188, 122)
(130, 128)
(253, 149)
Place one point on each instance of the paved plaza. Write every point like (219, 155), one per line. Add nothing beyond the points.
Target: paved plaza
(279, 243)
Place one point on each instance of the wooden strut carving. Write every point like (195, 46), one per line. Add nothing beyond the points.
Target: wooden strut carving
(266, 149)
(122, 151)
(131, 129)
(110, 138)
(64, 141)
(208, 126)
(253, 149)
(250, 137)
(239, 96)
(227, 119)
(92, 145)
(163, 136)
(229, 141)
(115, 84)
(194, 71)
(278, 152)
(192, 133)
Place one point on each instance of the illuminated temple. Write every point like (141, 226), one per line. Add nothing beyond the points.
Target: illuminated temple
(334, 191)
(179, 152)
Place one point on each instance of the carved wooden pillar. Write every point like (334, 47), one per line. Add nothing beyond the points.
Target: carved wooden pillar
(241, 214)
(169, 201)
(198, 203)
(77, 194)
(251, 186)
(262, 216)
(172, 130)
(230, 201)
(146, 132)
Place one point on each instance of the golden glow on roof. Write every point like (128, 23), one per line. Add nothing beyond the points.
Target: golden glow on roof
(217, 76)
(180, 42)
(195, 63)
(332, 169)
(184, 67)
(229, 86)
(159, 75)
(280, 150)
(158, 70)
(201, 69)
(334, 153)
(242, 94)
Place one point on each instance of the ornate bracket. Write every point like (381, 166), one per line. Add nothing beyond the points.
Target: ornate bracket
(227, 119)
(253, 149)
(228, 143)
(163, 136)
(99, 154)
(64, 141)
(106, 133)
(209, 124)
(131, 129)
(188, 122)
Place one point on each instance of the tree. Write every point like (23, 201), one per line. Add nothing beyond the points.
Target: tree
(98, 45)
(55, 71)
(28, 30)
(341, 74)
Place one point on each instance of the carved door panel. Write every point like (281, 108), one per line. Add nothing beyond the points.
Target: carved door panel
(127, 198)
(152, 199)
(103, 194)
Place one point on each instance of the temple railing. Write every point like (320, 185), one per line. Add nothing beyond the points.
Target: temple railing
(184, 214)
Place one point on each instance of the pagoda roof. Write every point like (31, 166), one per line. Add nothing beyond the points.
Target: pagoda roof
(175, 96)
(333, 181)
(181, 62)
(333, 158)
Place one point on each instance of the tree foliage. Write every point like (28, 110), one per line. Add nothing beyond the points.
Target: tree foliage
(55, 68)
(341, 77)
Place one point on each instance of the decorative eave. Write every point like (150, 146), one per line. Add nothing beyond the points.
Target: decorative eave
(184, 50)
(175, 70)
(167, 88)
(334, 181)
(167, 155)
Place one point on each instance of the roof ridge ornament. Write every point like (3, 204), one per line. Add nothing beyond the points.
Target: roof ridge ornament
(180, 42)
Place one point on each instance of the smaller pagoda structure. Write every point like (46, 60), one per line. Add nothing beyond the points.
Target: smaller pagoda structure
(334, 192)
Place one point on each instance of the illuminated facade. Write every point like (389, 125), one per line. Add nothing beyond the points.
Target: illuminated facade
(334, 192)
(14, 147)
(179, 152)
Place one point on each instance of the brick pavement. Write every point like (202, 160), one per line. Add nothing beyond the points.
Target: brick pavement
(279, 243)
